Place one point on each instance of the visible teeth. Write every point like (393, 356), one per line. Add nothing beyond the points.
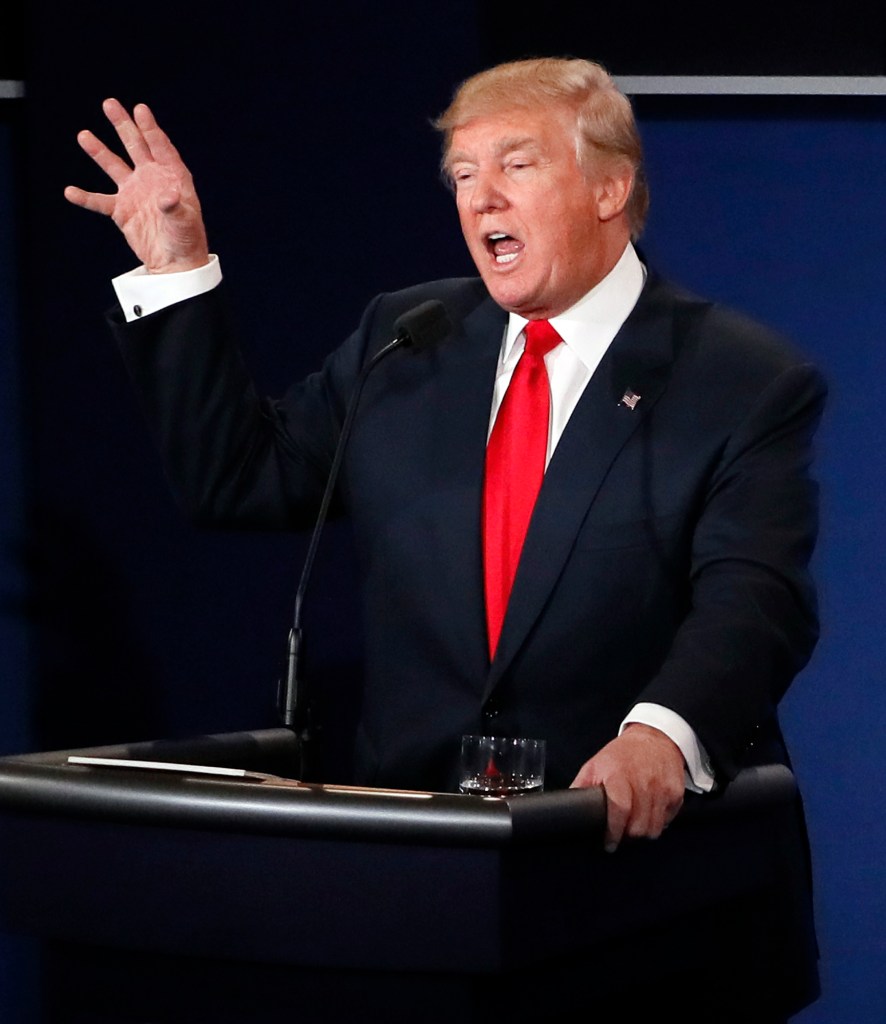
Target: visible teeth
(497, 236)
(510, 257)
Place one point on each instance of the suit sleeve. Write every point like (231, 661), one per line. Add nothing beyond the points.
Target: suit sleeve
(752, 621)
(232, 457)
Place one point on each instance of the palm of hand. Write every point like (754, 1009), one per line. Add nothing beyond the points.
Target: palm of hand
(159, 214)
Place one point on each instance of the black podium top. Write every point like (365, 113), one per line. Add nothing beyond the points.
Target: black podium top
(167, 787)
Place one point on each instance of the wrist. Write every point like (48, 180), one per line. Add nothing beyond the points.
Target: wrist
(651, 734)
(179, 266)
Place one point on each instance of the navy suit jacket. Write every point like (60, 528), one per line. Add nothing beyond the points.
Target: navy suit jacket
(666, 560)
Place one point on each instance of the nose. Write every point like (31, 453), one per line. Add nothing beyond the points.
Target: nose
(486, 194)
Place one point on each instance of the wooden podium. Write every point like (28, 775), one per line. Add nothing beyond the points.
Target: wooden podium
(164, 893)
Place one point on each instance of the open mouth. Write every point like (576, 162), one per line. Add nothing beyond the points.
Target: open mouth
(503, 248)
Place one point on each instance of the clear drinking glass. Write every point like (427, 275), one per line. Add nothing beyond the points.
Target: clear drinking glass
(501, 765)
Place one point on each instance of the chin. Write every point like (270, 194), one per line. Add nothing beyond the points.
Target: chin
(512, 299)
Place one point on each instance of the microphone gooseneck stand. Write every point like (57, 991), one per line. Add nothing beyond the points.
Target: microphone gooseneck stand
(418, 328)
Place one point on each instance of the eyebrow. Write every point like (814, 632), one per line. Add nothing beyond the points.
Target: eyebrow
(506, 145)
(517, 142)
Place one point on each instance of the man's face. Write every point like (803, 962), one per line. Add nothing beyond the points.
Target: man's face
(535, 223)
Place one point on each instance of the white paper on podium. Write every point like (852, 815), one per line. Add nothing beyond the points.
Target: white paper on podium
(165, 766)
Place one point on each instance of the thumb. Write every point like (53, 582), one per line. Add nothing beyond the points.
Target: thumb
(618, 811)
(169, 199)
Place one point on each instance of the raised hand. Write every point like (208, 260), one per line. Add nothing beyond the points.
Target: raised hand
(155, 205)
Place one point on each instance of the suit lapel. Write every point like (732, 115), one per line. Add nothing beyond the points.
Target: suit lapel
(637, 363)
(464, 376)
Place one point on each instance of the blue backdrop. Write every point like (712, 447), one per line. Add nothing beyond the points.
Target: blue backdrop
(783, 216)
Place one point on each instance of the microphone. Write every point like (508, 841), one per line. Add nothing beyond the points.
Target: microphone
(418, 328)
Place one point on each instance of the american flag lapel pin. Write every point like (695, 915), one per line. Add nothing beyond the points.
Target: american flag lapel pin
(629, 399)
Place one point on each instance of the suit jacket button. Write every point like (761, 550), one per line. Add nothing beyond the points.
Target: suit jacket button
(491, 711)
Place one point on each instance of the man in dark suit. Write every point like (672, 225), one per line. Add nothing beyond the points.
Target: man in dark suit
(661, 604)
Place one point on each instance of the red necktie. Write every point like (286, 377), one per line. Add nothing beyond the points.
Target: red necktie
(515, 467)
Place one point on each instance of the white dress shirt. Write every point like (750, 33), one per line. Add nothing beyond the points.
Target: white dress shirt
(587, 329)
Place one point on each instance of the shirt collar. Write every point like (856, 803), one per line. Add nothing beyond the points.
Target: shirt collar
(592, 323)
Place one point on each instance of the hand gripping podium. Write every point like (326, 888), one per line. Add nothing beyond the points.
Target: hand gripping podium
(160, 891)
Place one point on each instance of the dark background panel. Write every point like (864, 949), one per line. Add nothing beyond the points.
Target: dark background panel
(12, 38)
(18, 978)
(653, 38)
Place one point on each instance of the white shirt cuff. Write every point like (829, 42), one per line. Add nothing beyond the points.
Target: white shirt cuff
(699, 774)
(140, 293)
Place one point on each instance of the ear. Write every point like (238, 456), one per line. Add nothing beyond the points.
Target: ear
(613, 190)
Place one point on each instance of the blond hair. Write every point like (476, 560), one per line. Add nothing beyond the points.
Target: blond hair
(604, 118)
